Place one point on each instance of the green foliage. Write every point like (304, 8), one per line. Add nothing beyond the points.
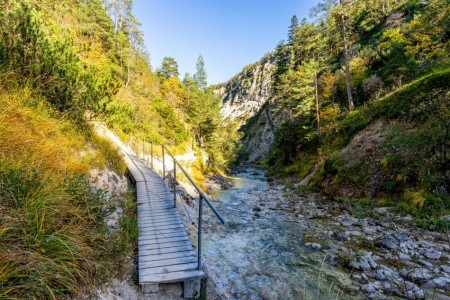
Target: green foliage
(293, 137)
(50, 64)
(200, 74)
(169, 68)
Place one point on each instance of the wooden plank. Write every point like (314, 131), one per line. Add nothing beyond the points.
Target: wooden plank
(142, 242)
(163, 256)
(164, 249)
(147, 236)
(167, 262)
(151, 223)
(161, 227)
(175, 244)
(159, 217)
(148, 252)
(162, 231)
(171, 277)
(167, 269)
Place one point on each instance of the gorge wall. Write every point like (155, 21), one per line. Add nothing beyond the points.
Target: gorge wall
(246, 97)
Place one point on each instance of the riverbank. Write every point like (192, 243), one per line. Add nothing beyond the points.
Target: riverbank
(285, 243)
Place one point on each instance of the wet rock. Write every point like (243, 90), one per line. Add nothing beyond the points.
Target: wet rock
(364, 262)
(256, 208)
(418, 275)
(432, 254)
(445, 268)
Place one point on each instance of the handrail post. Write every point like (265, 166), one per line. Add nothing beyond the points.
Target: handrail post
(151, 154)
(199, 233)
(143, 149)
(174, 184)
(164, 168)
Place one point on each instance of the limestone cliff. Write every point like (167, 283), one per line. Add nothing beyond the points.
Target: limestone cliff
(246, 97)
(244, 94)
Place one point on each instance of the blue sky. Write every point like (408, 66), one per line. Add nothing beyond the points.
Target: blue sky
(230, 34)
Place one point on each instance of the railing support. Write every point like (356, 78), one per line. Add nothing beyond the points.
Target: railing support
(164, 165)
(199, 232)
(143, 149)
(174, 183)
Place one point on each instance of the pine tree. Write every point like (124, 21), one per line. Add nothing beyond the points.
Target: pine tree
(200, 75)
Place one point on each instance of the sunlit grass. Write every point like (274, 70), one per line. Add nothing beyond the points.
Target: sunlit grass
(53, 239)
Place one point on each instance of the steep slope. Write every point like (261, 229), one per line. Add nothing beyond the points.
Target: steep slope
(245, 98)
(244, 94)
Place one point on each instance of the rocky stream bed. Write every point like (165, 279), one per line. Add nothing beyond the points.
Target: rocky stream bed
(284, 244)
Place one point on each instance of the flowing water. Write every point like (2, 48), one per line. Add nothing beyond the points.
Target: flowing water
(261, 253)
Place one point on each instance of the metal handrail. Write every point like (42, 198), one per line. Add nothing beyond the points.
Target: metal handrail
(202, 195)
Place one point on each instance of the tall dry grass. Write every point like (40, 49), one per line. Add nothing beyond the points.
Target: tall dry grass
(53, 238)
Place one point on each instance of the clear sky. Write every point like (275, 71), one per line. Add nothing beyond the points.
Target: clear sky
(230, 34)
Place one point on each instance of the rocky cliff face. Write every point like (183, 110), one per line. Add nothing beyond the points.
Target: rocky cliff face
(246, 97)
(245, 93)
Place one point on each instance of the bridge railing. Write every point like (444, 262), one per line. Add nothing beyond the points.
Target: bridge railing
(172, 181)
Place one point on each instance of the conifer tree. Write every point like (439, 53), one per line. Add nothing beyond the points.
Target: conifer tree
(200, 75)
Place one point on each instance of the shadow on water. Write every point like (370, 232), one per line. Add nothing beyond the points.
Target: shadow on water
(261, 254)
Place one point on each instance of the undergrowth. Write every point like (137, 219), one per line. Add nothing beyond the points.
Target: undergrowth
(54, 242)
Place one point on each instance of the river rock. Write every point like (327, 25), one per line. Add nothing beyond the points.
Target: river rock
(314, 246)
(418, 275)
(256, 208)
(364, 262)
(370, 230)
(388, 242)
(403, 256)
(440, 282)
(347, 221)
(426, 263)
(371, 287)
(445, 268)
(445, 218)
(432, 254)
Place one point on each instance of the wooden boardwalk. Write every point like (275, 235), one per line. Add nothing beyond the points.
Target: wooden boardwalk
(165, 252)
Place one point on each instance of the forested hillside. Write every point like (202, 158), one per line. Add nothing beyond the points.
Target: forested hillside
(360, 100)
(63, 64)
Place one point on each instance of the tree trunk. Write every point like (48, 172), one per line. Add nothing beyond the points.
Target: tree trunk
(346, 62)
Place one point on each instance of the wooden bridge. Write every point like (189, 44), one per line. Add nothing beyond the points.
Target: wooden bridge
(165, 252)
